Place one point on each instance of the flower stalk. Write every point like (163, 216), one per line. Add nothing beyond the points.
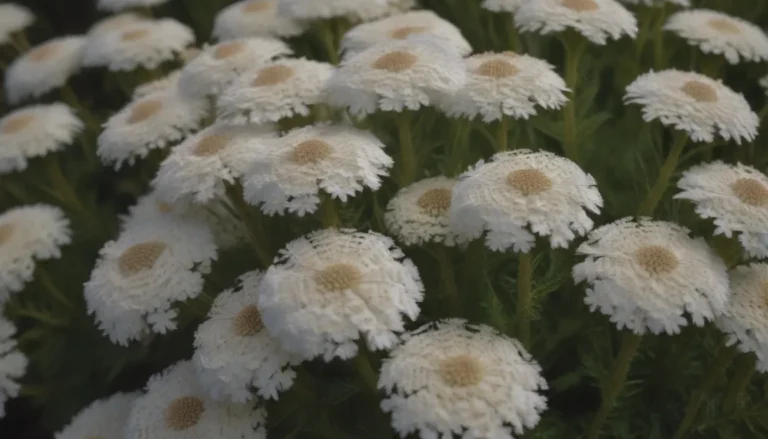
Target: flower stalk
(665, 174)
(574, 46)
(524, 297)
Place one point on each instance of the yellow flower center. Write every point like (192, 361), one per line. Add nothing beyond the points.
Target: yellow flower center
(134, 35)
(211, 144)
(183, 413)
(273, 75)
(529, 181)
(311, 152)
(396, 61)
(256, 6)
(338, 277)
(17, 123)
(581, 5)
(700, 91)
(724, 25)
(6, 231)
(750, 191)
(144, 110)
(461, 371)
(497, 68)
(656, 259)
(140, 257)
(44, 52)
(248, 321)
(435, 202)
(228, 50)
(402, 33)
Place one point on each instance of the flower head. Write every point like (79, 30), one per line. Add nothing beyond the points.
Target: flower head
(290, 172)
(656, 3)
(453, 378)
(402, 26)
(103, 418)
(508, 84)
(13, 18)
(646, 275)
(151, 122)
(144, 43)
(13, 364)
(735, 196)
(329, 288)
(35, 131)
(167, 83)
(353, 10)
(274, 91)
(115, 22)
(254, 18)
(217, 66)
(234, 353)
(396, 75)
(694, 103)
(176, 406)
(198, 169)
(29, 234)
(501, 5)
(596, 20)
(140, 277)
(119, 5)
(418, 213)
(745, 319)
(718, 33)
(521, 193)
(44, 68)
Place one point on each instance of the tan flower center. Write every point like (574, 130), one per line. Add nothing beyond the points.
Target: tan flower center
(183, 413)
(435, 202)
(6, 231)
(700, 91)
(339, 277)
(461, 371)
(228, 50)
(310, 152)
(402, 33)
(44, 52)
(750, 191)
(211, 144)
(396, 61)
(764, 297)
(134, 35)
(724, 25)
(144, 110)
(656, 259)
(497, 68)
(273, 75)
(140, 257)
(581, 5)
(248, 321)
(17, 123)
(163, 207)
(529, 181)
(256, 6)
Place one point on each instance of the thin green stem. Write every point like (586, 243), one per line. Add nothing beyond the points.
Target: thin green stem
(327, 35)
(502, 134)
(723, 358)
(665, 174)
(612, 388)
(328, 215)
(645, 17)
(21, 42)
(365, 369)
(524, 297)
(408, 165)
(658, 38)
(729, 249)
(515, 42)
(42, 276)
(448, 279)
(745, 369)
(573, 54)
(252, 224)
(60, 184)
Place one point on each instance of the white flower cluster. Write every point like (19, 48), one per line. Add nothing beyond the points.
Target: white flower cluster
(13, 18)
(13, 364)
(103, 418)
(254, 18)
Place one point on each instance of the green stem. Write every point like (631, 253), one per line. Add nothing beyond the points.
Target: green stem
(514, 36)
(658, 38)
(327, 35)
(443, 257)
(745, 369)
(407, 154)
(20, 41)
(573, 54)
(723, 358)
(729, 249)
(665, 174)
(42, 276)
(328, 215)
(502, 134)
(645, 17)
(60, 185)
(252, 225)
(629, 345)
(365, 369)
(524, 297)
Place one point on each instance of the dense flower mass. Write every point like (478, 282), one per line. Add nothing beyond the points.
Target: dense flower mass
(13, 364)
(252, 18)
(103, 418)
(353, 10)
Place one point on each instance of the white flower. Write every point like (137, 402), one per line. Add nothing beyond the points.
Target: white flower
(145, 43)
(28, 234)
(329, 288)
(13, 18)
(501, 5)
(418, 213)
(151, 122)
(103, 418)
(140, 277)
(596, 20)
(169, 83)
(175, 407)
(44, 68)
(35, 131)
(277, 90)
(217, 66)
(400, 27)
(254, 18)
(290, 172)
(745, 319)
(233, 351)
(694, 103)
(352, 10)
(521, 193)
(397, 75)
(714, 32)
(198, 169)
(646, 275)
(115, 22)
(119, 5)
(506, 84)
(736, 197)
(452, 379)
(681, 3)
(13, 364)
